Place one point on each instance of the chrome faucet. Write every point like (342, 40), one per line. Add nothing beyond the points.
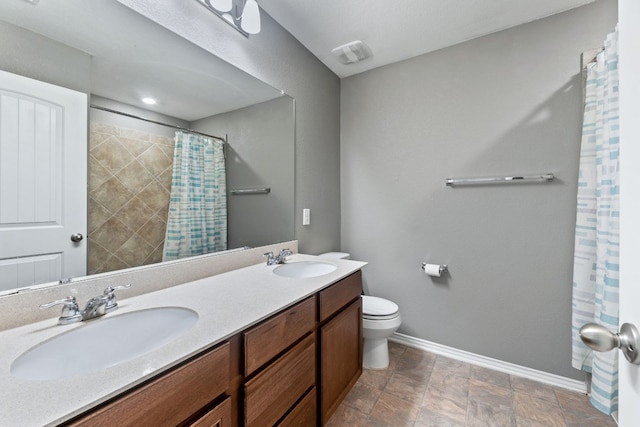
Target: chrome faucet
(281, 258)
(70, 311)
(96, 306)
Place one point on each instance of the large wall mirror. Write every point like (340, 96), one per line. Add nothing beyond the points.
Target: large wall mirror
(117, 57)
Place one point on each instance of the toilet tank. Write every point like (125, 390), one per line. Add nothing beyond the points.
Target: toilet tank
(336, 255)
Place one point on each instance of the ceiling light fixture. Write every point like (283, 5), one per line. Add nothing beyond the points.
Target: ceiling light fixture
(243, 15)
(221, 5)
(149, 101)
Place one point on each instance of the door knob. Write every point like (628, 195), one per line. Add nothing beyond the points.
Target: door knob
(77, 237)
(600, 338)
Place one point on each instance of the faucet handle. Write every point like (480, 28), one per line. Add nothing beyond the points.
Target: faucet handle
(282, 258)
(270, 258)
(110, 295)
(70, 311)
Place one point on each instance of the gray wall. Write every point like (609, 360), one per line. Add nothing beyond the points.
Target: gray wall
(507, 103)
(32, 55)
(259, 153)
(278, 59)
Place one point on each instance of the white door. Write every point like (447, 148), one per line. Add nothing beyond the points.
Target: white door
(629, 375)
(43, 181)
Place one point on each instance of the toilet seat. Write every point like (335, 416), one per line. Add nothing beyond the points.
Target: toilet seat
(374, 308)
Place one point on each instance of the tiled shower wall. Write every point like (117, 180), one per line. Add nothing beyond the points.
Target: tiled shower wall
(129, 184)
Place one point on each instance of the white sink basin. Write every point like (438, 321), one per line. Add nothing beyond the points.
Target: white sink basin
(103, 342)
(304, 269)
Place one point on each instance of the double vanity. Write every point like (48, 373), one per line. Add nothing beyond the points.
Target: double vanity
(256, 346)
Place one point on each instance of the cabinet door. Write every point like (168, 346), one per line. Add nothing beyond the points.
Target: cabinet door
(169, 399)
(304, 413)
(220, 416)
(341, 357)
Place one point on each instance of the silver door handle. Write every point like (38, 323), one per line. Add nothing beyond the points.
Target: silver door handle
(77, 237)
(600, 338)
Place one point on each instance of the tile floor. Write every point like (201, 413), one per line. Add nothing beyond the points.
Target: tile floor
(422, 389)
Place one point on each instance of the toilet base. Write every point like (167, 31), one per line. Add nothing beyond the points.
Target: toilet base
(375, 353)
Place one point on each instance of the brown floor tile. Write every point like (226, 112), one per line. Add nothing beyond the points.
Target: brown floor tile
(362, 397)
(490, 376)
(481, 414)
(444, 405)
(578, 411)
(525, 422)
(421, 389)
(375, 378)
(534, 388)
(427, 418)
(578, 418)
(396, 349)
(347, 417)
(572, 399)
(415, 363)
(490, 394)
(449, 383)
(537, 409)
(453, 366)
(392, 411)
(406, 387)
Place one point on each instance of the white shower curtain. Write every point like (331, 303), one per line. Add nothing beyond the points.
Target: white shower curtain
(595, 272)
(197, 219)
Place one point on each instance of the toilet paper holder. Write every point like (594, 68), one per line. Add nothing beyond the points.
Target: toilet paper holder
(442, 269)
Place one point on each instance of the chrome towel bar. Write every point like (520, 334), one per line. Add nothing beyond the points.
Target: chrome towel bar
(450, 182)
(244, 191)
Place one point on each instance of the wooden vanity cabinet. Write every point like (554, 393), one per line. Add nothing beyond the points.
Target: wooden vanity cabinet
(340, 342)
(280, 366)
(171, 399)
(291, 370)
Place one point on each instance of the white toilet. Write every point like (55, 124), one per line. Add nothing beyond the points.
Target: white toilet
(380, 319)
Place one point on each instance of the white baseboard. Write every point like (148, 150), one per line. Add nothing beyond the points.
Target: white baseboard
(487, 362)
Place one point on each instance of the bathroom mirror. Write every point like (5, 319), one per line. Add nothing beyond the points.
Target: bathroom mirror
(116, 56)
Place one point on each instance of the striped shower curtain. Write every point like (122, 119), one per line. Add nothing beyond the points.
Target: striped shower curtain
(197, 219)
(595, 271)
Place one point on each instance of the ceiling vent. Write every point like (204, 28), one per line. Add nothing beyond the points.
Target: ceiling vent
(352, 52)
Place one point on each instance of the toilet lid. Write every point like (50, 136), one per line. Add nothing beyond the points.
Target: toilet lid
(374, 307)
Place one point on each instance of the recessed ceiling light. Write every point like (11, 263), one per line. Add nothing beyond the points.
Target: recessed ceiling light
(149, 101)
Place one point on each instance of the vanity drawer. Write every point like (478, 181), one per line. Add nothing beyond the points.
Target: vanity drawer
(273, 392)
(170, 399)
(339, 295)
(220, 416)
(304, 414)
(265, 341)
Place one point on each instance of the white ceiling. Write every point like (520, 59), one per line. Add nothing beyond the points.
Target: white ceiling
(400, 29)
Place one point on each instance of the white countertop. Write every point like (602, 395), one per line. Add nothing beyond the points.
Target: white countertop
(226, 304)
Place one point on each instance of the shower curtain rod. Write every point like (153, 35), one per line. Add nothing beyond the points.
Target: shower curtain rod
(109, 110)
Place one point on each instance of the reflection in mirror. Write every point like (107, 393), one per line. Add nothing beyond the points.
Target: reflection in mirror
(116, 57)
